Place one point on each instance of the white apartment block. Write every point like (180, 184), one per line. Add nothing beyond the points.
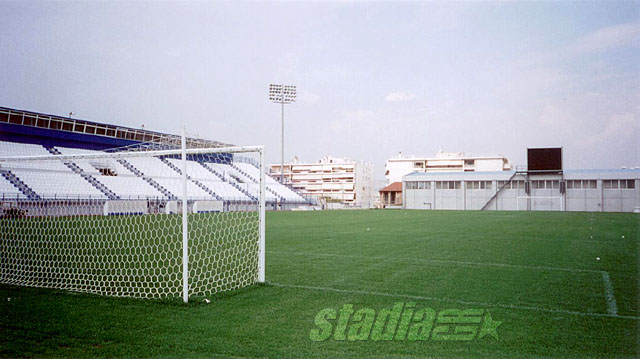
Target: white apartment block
(335, 182)
(396, 168)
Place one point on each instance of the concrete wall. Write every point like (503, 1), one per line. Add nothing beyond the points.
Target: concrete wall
(449, 199)
(476, 198)
(508, 200)
(586, 200)
(418, 199)
(618, 200)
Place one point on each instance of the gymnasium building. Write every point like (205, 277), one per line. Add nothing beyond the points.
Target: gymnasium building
(542, 185)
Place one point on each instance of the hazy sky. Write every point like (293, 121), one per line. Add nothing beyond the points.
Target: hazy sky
(374, 78)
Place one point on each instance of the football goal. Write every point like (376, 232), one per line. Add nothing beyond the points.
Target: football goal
(138, 223)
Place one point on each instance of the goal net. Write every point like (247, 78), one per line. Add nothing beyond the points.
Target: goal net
(540, 203)
(138, 223)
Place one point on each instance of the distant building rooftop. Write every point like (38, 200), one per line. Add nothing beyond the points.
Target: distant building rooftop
(394, 187)
(617, 173)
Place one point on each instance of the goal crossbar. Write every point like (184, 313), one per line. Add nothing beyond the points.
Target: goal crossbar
(559, 198)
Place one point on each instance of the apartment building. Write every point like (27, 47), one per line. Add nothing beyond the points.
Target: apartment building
(396, 168)
(335, 182)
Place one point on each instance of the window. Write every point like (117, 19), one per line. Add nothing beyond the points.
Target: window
(627, 184)
(418, 165)
(509, 185)
(553, 184)
(537, 184)
(615, 184)
(55, 124)
(448, 184)
(15, 119)
(480, 184)
(582, 184)
(423, 185)
(28, 120)
(42, 122)
(469, 162)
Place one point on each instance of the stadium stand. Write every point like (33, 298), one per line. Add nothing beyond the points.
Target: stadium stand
(166, 177)
(8, 190)
(48, 179)
(114, 175)
(197, 171)
(25, 133)
(252, 173)
(127, 179)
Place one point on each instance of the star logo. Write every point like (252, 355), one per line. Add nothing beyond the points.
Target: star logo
(489, 327)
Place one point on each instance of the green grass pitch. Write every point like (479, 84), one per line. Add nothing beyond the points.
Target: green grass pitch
(536, 273)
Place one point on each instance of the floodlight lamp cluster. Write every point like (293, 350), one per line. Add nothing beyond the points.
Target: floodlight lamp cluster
(282, 93)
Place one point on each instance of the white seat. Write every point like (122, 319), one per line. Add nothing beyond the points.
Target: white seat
(54, 184)
(8, 190)
(124, 183)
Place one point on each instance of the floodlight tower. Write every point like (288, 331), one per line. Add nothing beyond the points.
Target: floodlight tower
(282, 94)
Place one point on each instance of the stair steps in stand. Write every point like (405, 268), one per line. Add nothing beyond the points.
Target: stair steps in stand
(149, 180)
(235, 185)
(197, 183)
(17, 182)
(87, 177)
(249, 177)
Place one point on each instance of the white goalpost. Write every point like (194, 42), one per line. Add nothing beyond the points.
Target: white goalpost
(140, 223)
(540, 203)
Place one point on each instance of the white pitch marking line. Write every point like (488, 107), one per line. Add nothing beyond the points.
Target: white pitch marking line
(450, 300)
(504, 265)
(610, 298)
(612, 308)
